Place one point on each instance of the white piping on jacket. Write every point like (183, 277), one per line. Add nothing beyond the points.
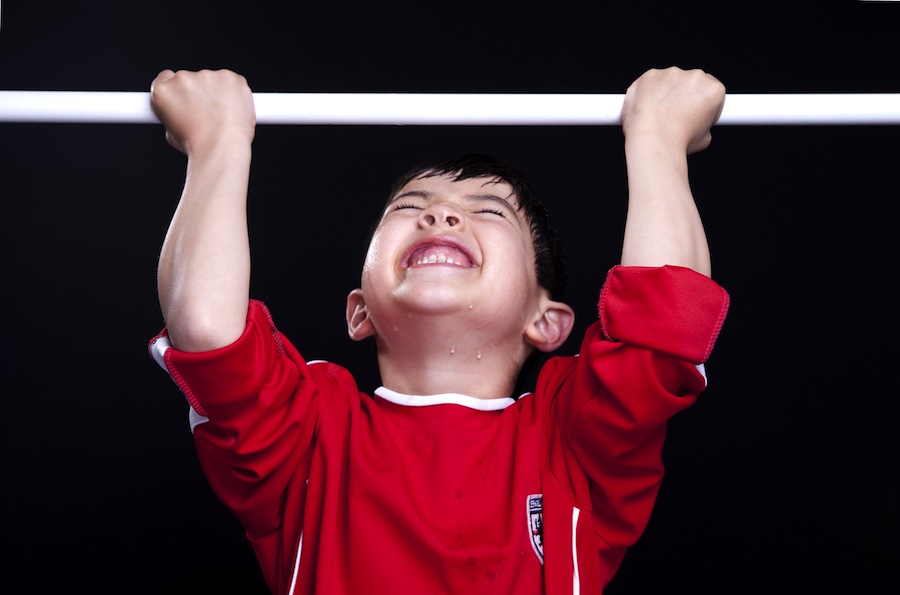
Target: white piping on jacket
(296, 565)
(576, 581)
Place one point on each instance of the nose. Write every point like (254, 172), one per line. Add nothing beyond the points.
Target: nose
(440, 214)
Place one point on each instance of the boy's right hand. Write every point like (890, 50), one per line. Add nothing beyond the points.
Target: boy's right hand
(201, 109)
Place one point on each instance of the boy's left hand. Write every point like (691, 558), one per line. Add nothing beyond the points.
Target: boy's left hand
(673, 106)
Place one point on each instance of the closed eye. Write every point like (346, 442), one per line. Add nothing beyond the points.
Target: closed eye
(492, 211)
(405, 205)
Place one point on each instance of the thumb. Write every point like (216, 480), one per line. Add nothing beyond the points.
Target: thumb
(162, 77)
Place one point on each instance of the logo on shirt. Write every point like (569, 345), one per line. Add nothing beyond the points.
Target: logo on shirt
(535, 504)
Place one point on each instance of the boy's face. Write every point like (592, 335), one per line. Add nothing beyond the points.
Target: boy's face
(443, 247)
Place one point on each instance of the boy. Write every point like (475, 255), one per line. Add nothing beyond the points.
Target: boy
(442, 482)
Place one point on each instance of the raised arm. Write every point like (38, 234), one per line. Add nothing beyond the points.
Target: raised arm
(666, 116)
(204, 267)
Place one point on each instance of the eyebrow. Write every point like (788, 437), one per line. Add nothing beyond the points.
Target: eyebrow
(469, 197)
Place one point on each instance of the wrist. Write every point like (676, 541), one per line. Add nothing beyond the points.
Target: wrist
(655, 135)
(226, 143)
(653, 147)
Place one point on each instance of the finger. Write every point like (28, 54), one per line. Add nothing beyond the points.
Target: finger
(162, 77)
(700, 145)
(170, 138)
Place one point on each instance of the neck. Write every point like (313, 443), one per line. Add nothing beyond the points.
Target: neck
(436, 355)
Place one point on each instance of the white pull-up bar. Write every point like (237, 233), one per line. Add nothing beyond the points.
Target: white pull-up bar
(451, 108)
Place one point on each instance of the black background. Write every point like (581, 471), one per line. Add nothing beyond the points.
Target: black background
(782, 479)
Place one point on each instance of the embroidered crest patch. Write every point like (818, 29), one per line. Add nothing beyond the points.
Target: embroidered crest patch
(535, 507)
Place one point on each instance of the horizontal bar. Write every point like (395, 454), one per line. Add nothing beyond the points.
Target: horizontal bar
(451, 108)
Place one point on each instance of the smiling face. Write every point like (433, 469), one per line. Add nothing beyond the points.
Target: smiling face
(458, 282)
(445, 246)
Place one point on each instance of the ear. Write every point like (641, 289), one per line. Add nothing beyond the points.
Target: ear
(552, 326)
(359, 325)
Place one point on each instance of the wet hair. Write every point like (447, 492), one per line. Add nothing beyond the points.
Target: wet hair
(549, 258)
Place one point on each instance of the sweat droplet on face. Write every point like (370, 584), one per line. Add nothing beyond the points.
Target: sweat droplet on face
(452, 350)
(478, 355)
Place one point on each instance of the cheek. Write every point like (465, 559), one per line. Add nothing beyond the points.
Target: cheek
(378, 247)
(519, 253)
(516, 272)
(372, 255)
(378, 267)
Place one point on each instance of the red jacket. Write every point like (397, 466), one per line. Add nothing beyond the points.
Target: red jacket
(343, 492)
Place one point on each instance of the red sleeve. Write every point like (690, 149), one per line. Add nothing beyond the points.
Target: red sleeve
(636, 369)
(670, 309)
(261, 402)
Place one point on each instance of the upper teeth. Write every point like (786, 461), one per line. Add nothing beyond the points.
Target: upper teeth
(437, 258)
(439, 254)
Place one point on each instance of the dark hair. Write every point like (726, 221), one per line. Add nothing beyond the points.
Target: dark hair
(549, 259)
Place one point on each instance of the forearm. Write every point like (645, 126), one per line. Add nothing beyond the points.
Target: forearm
(663, 225)
(204, 268)
(667, 115)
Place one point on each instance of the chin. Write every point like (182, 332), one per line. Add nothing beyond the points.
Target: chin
(433, 300)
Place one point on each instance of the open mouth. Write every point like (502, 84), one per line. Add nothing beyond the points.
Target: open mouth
(437, 251)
